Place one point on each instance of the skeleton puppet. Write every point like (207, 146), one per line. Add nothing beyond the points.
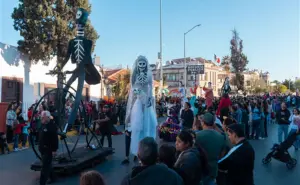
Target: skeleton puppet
(209, 95)
(79, 50)
(226, 86)
(140, 114)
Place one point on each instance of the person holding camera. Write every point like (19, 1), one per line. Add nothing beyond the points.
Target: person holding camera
(105, 125)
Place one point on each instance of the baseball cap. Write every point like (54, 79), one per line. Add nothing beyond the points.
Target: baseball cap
(208, 119)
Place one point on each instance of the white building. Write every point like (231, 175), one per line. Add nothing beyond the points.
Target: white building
(22, 81)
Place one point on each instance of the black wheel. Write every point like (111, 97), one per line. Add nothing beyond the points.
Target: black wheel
(266, 160)
(294, 161)
(71, 132)
(93, 135)
(290, 165)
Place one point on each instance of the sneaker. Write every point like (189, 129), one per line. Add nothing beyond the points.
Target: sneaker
(16, 149)
(23, 148)
(126, 161)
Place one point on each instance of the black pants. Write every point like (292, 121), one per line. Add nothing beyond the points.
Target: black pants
(9, 133)
(127, 143)
(266, 124)
(108, 135)
(3, 145)
(47, 170)
(247, 129)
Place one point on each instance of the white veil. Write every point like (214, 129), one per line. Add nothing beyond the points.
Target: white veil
(132, 97)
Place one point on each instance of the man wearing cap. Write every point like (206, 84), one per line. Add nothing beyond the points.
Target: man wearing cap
(214, 143)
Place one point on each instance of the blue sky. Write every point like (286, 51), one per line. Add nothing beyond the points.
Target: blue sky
(270, 30)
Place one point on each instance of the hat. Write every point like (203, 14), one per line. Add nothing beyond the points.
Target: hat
(238, 129)
(208, 119)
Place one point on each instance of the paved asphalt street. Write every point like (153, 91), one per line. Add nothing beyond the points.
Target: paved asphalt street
(15, 167)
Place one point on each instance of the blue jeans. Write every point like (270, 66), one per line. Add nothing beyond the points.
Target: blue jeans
(297, 142)
(255, 128)
(16, 141)
(24, 141)
(282, 129)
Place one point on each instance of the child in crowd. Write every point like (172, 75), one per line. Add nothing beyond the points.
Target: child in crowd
(17, 132)
(25, 135)
(3, 143)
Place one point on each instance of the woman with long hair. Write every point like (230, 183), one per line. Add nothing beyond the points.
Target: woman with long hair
(11, 118)
(192, 160)
(256, 117)
(294, 127)
(92, 178)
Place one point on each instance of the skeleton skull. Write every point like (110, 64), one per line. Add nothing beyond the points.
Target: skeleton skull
(78, 14)
(142, 65)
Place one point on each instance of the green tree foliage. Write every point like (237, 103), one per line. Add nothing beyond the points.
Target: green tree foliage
(47, 26)
(226, 63)
(289, 84)
(282, 88)
(297, 84)
(238, 60)
(121, 87)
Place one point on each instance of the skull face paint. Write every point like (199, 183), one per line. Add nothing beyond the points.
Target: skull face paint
(78, 14)
(142, 65)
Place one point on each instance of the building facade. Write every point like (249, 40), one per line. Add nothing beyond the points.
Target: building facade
(173, 75)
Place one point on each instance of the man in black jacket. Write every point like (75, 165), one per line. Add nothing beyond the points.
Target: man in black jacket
(238, 165)
(48, 145)
(282, 117)
(187, 116)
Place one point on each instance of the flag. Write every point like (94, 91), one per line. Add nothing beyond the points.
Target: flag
(217, 59)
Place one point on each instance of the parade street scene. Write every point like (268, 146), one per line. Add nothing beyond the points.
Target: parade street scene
(152, 92)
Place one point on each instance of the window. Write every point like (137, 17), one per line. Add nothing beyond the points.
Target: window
(9, 84)
(192, 77)
(172, 77)
(248, 82)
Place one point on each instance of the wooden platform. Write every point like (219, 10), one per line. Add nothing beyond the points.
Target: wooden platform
(82, 158)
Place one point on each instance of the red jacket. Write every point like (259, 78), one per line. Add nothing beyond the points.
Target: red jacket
(18, 128)
(225, 102)
(29, 114)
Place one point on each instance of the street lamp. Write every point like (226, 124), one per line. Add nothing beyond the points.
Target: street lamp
(185, 75)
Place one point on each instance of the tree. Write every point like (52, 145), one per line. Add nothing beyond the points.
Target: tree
(226, 63)
(297, 84)
(276, 82)
(289, 84)
(282, 88)
(238, 60)
(47, 26)
(121, 87)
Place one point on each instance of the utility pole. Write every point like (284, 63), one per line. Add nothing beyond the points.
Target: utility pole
(160, 52)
